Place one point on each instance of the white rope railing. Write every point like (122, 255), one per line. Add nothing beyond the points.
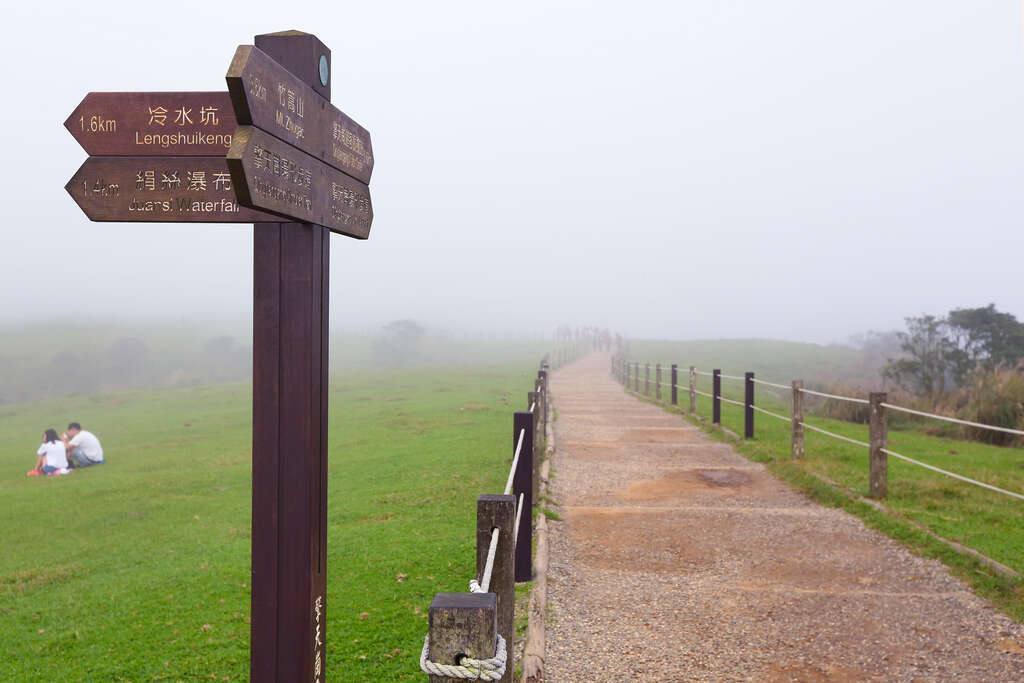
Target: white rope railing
(738, 379)
(515, 461)
(950, 474)
(840, 398)
(532, 406)
(729, 400)
(772, 384)
(485, 582)
(701, 372)
(519, 512)
(835, 436)
(979, 425)
(768, 412)
(698, 391)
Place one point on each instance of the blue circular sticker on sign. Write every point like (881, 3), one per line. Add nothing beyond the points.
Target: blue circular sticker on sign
(324, 70)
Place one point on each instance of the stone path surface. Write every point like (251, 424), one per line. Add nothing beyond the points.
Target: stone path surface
(677, 559)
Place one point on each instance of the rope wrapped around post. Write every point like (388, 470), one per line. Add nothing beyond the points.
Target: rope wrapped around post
(473, 669)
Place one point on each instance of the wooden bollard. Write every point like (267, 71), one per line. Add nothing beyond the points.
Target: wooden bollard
(716, 396)
(748, 405)
(636, 378)
(499, 512)
(878, 482)
(647, 379)
(657, 381)
(693, 389)
(533, 399)
(462, 624)
(522, 483)
(675, 378)
(797, 438)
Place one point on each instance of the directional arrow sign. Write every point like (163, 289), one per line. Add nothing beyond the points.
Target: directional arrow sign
(271, 98)
(159, 190)
(273, 176)
(154, 123)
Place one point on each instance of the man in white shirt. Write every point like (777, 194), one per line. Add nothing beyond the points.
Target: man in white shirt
(83, 448)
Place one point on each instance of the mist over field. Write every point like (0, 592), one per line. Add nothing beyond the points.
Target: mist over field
(789, 169)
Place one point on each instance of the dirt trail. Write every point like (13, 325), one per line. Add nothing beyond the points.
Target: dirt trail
(678, 560)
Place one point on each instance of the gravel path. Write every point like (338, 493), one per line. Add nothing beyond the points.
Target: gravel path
(680, 560)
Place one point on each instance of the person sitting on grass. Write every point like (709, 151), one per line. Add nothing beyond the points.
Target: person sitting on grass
(83, 448)
(52, 455)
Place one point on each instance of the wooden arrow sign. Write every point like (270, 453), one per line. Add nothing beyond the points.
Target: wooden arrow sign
(271, 175)
(154, 123)
(271, 98)
(159, 190)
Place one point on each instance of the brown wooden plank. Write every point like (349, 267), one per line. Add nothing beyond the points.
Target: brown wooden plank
(295, 587)
(265, 449)
(159, 190)
(271, 175)
(154, 123)
(269, 97)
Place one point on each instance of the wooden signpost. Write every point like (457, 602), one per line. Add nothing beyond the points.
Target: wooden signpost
(273, 150)
(268, 97)
(271, 175)
(154, 123)
(159, 190)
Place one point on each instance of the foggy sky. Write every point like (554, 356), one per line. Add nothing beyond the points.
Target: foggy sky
(691, 169)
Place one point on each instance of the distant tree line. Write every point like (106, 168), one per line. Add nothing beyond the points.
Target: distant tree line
(127, 362)
(969, 361)
(941, 354)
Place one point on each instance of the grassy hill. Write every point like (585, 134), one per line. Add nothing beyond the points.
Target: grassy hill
(138, 569)
(774, 360)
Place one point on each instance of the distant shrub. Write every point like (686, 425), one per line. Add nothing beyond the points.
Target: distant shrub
(995, 397)
(844, 410)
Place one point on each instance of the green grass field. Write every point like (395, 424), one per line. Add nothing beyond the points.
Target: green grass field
(987, 521)
(138, 569)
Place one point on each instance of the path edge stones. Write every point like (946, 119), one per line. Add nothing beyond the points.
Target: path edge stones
(534, 649)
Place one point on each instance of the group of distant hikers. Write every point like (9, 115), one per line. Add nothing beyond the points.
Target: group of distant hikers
(75, 448)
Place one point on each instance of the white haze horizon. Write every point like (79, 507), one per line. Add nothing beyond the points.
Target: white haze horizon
(716, 169)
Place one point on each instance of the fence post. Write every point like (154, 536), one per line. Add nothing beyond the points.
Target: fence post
(522, 482)
(499, 512)
(636, 378)
(543, 376)
(879, 440)
(675, 378)
(716, 393)
(533, 399)
(647, 379)
(657, 381)
(462, 624)
(748, 405)
(693, 389)
(797, 439)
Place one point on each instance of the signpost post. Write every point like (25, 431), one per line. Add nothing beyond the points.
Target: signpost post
(272, 151)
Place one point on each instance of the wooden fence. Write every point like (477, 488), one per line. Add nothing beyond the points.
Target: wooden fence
(468, 631)
(628, 373)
